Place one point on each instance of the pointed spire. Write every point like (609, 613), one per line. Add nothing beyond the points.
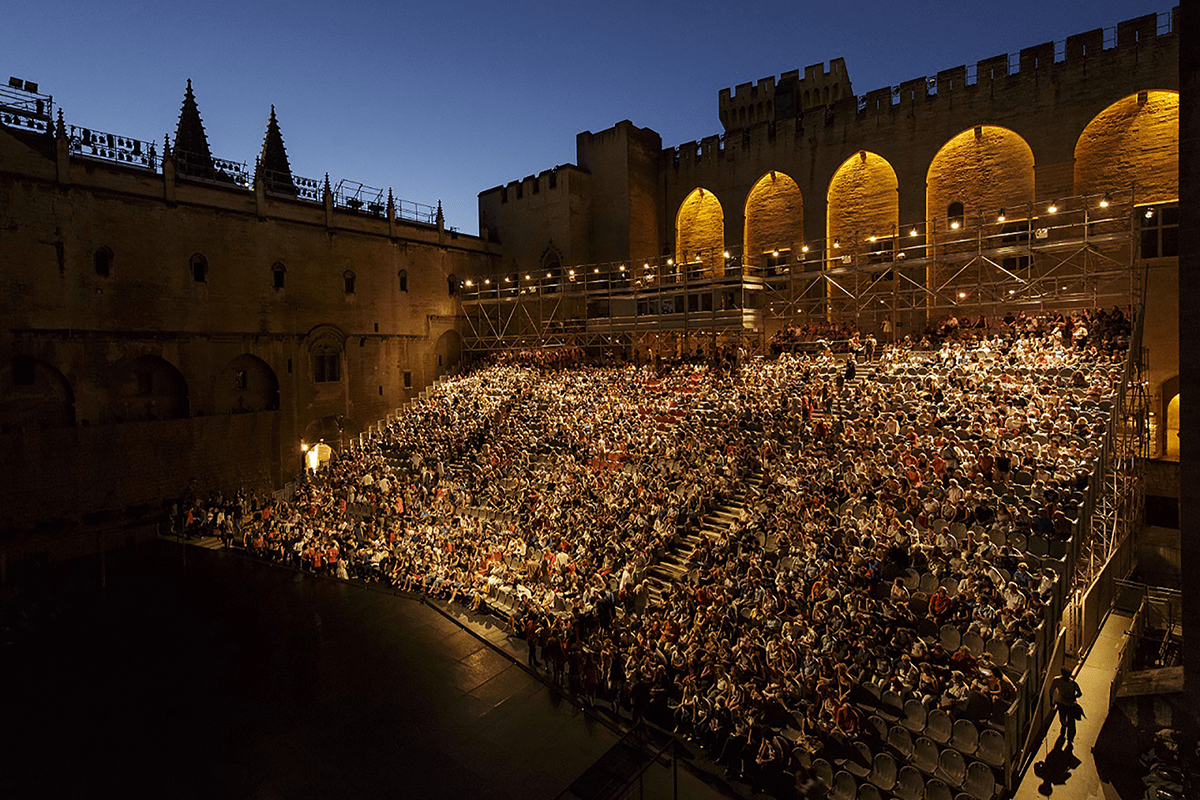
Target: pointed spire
(328, 190)
(166, 146)
(191, 143)
(277, 173)
(441, 221)
(60, 130)
(391, 204)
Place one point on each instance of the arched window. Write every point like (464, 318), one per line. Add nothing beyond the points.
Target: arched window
(199, 266)
(954, 215)
(403, 275)
(102, 261)
(349, 280)
(278, 275)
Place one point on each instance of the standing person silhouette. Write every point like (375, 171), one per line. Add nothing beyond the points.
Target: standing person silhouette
(1065, 693)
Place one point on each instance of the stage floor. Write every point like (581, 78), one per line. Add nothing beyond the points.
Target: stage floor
(204, 674)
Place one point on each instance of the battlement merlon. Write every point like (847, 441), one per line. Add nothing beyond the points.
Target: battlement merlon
(790, 96)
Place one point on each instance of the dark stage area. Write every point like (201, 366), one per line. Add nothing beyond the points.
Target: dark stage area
(203, 674)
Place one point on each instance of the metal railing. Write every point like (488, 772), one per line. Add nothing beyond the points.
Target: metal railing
(90, 143)
(197, 166)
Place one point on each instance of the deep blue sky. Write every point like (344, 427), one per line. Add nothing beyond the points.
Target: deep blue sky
(440, 100)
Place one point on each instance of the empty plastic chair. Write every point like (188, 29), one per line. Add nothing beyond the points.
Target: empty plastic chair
(883, 772)
(909, 784)
(892, 705)
(952, 767)
(1038, 546)
(991, 748)
(974, 642)
(998, 650)
(859, 762)
(824, 771)
(938, 726)
(929, 583)
(878, 725)
(868, 792)
(980, 782)
(901, 741)
(936, 789)
(925, 755)
(979, 707)
(966, 737)
(912, 579)
(1018, 656)
(951, 586)
(914, 716)
(844, 786)
(951, 638)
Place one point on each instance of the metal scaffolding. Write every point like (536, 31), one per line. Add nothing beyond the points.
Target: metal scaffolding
(1077, 252)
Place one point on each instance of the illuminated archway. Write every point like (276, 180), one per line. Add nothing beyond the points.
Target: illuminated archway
(1132, 143)
(863, 206)
(1172, 428)
(700, 234)
(774, 221)
(986, 168)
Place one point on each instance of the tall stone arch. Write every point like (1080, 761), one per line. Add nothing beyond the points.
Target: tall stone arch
(1133, 145)
(774, 227)
(246, 384)
(700, 234)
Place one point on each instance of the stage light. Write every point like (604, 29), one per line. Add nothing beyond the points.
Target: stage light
(872, 237)
(1053, 209)
(1150, 212)
(727, 254)
(804, 248)
(1001, 216)
(912, 232)
(837, 242)
(1106, 201)
(962, 295)
(469, 284)
(954, 224)
(670, 262)
(596, 271)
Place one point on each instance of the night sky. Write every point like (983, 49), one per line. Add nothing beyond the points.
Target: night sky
(441, 100)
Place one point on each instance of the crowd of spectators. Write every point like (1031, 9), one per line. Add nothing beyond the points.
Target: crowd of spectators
(869, 517)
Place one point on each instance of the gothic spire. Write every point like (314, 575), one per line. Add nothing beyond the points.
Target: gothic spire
(191, 143)
(273, 161)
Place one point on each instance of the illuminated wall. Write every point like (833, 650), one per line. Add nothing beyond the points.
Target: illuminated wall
(774, 217)
(1135, 141)
(700, 232)
(986, 168)
(862, 200)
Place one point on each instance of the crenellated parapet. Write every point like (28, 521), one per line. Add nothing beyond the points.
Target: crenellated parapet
(820, 106)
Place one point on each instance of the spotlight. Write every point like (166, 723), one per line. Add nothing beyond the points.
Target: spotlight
(469, 284)
(837, 241)
(1001, 216)
(962, 295)
(1053, 209)
(622, 268)
(872, 237)
(1012, 291)
(571, 272)
(1106, 201)
(487, 281)
(776, 252)
(727, 254)
(954, 225)
(507, 279)
(804, 248)
(527, 277)
(912, 232)
(670, 262)
(1150, 212)
(596, 271)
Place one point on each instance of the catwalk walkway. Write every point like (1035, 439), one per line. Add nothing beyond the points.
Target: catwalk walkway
(1071, 774)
